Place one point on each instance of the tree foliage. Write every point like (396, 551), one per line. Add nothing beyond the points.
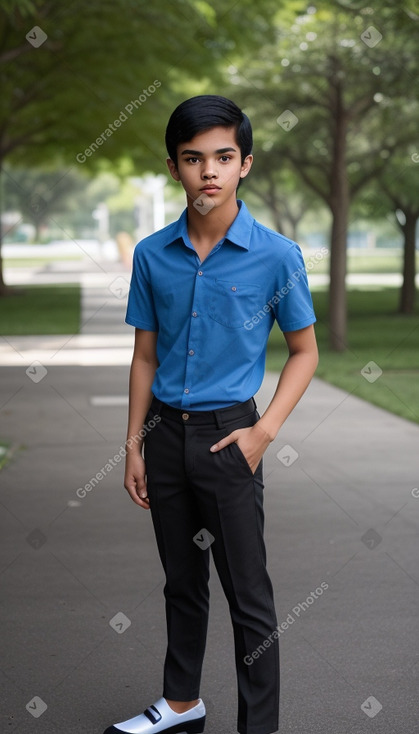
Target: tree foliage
(97, 59)
(87, 81)
(397, 189)
(329, 95)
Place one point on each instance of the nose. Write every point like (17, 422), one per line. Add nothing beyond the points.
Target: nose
(209, 172)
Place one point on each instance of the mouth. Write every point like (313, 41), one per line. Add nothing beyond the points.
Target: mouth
(212, 189)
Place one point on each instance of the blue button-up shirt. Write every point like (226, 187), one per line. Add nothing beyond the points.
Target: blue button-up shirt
(213, 318)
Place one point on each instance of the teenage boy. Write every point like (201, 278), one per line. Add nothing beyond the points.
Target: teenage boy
(205, 292)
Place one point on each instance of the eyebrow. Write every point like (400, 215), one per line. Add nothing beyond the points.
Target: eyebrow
(199, 152)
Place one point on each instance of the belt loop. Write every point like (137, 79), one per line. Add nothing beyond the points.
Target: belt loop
(218, 419)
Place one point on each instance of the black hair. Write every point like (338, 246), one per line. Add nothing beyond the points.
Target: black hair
(198, 114)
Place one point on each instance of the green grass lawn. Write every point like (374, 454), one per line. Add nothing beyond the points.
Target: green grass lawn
(41, 310)
(376, 333)
(38, 262)
(378, 261)
(375, 263)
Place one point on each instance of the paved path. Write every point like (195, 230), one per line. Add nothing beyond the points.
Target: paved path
(104, 338)
(83, 619)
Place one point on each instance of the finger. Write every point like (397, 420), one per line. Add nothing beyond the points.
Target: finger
(135, 498)
(140, 501)
(231, 438)
(144, 503)
(142, 493)
(138, 492)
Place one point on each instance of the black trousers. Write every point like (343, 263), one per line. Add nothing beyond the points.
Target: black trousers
(199, 501)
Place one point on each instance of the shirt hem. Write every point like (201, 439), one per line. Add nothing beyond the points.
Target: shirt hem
(141, 325)
(296, 325)
(203, 405)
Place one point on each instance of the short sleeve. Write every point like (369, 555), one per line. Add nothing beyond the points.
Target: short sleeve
(292, 303)
(141, 311)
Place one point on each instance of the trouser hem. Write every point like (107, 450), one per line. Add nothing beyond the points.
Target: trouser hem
(258, 729)
(176, 696)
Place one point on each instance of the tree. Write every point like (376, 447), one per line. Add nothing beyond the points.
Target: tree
(395, 190)
(399, 183)
(39, 194)
(90, 80)
(327, 94)
(279, 189)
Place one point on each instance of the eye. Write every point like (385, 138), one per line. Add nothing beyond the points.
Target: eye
(192, 159)
(225, 158)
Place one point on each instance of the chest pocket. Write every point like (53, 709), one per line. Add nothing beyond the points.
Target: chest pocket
(231, 303)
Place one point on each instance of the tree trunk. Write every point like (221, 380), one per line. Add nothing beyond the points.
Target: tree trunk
(271, 201)
(3, 286)
(277, 219)
(408, 290)
(339, 205)
(337, 289)
(37, 235)
(293, 227)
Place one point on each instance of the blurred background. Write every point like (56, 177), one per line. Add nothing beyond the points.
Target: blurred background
(331, 90)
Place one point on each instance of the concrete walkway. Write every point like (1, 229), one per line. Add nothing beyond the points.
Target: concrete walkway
(104, 338)
(82, 619)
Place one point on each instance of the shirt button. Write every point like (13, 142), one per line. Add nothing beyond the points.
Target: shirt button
(194, 314)
(200, 272)
(185, 416)
(233, 288)
(186, 390)
(191, 352)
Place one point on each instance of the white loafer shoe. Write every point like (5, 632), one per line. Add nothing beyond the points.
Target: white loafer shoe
(161, 719)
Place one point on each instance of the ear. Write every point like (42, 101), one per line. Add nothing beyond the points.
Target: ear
(246, 166)
(173, 169)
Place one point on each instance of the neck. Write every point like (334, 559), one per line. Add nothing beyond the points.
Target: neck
(213, 225)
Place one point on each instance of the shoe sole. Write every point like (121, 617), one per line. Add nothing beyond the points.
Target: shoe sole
(195, 726)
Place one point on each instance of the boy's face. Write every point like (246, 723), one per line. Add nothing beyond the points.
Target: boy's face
(210, 164)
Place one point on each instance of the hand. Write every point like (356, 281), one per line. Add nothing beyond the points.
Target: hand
(134, 481)
(252, 442)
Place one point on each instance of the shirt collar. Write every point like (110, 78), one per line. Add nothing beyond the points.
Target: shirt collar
(238, 234)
